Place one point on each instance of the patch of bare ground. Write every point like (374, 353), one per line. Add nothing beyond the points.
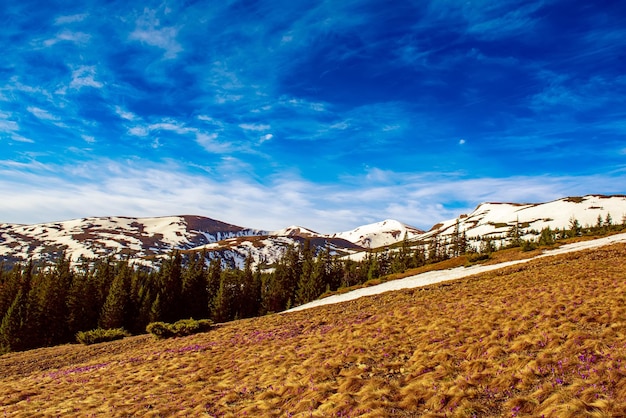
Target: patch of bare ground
(544, 338)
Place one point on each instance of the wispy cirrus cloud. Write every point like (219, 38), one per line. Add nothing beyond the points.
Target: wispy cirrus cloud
(85, 76)
(140, 188)
(42, 114)
(79, 38)
(64, 20)
(149, 30)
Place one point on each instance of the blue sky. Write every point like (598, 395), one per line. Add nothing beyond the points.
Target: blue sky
(326, 114)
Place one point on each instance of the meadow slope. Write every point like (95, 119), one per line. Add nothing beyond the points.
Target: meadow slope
(543, 338)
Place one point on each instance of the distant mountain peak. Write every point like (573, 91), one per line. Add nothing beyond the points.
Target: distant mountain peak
(145, 239)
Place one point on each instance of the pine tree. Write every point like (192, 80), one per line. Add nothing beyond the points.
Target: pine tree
(9, 287)
(434, 251)
(170, 283)
(547, 236)
(373, 270)
(156, 311)
(251, 291)
(53, 303)
(213, 283)
(575, 229)
(514, 235)
(226, 305)
(83, 302)
(116, 307)
(350, 273)
(14, 329)
(194, 290)
(305, 290)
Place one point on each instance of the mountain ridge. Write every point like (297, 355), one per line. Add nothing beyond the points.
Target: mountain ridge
(146, 238)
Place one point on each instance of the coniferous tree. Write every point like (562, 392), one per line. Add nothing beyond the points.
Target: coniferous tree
(251, 291)
(514, 235)
(83, 302)
(351, 274)
(156, 309)
(9, 287)
(116, 308)
(14, 327)
(547, 236)
(434, 250)
(575, 229)
(306, 286)
(213, 283)
(225, 305)
(52, 303)
(373, 268)
(170, 283)
(194, 291)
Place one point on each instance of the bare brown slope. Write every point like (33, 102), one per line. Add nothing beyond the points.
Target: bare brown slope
(545, 338)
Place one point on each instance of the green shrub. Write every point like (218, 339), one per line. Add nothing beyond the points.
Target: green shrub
(179, 328)
(475, 257)
(160, 329)
(529, 245)
(99, 335)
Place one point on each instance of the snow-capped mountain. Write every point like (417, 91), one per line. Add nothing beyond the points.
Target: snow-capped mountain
(380, 234)
(141, 238)
(494, 220)
(118, 236)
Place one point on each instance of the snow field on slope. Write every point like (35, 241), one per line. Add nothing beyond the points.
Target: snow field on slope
(437, 276)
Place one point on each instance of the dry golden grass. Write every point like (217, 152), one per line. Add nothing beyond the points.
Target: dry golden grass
(546, 338)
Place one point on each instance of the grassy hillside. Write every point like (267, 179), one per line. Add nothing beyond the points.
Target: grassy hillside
(544, 338)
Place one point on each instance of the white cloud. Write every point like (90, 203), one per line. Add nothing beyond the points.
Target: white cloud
(172, 126)
(210, 143)
(41, 113)
(20, 138)
(63, 20)
(68, 36)
(266, 137)
(125, 114)
(254, 127)
(84, 76)
(148, 31)
(138, 131)
(136, 188)
(8, 125)
(461, 142)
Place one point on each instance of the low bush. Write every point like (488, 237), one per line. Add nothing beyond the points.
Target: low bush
(475, 257)
(99, 335)
(179, 328)
(529, 245)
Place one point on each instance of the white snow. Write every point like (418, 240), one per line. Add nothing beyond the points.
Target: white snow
(495, 219)
(293, 230)
(438, 276)
(378, 234)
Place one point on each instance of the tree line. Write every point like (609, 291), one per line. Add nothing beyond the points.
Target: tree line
(44, 305)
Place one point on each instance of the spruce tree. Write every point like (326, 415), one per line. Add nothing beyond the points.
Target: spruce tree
(213, 283)
(14, 327)
(117, 304)
(9, 286)
(251, 290)
(171, 288)
(305, 291)
(52, 302)
(194, 290)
